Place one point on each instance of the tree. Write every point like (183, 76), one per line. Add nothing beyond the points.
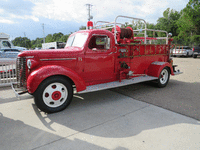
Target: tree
(57, 36)
(169, 21)
(189, 23)
(22, 42)
(37, 42)
(64, 38)
(49, 38)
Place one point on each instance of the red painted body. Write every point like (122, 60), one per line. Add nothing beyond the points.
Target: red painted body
(88, 66)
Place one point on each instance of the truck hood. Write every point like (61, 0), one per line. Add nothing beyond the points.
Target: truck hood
(53, 53)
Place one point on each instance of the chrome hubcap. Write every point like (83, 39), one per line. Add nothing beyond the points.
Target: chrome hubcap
(55, 95)
(164, 76)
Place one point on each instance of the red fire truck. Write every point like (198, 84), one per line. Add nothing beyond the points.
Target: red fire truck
(92, 60)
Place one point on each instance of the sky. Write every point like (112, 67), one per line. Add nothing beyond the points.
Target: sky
(26, 17)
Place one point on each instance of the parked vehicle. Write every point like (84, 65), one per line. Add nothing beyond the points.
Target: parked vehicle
(5, 42)
(9, 53)
(92, 60)
(196, 51)
(53, 45)
(182, 51)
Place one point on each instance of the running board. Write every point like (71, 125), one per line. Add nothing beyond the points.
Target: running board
(115, 84)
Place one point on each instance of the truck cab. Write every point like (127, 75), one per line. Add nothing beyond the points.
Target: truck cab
(99, 57)
(92, 60)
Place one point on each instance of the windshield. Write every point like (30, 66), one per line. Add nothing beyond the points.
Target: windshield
(77, 40)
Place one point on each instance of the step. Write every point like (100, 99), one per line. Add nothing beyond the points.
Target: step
(115, 84)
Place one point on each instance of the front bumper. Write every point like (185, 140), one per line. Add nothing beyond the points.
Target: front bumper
(18, 90)
(176, 72)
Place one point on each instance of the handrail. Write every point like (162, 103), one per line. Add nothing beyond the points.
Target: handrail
(115, 30)
(107, 23)
(167, 35)
(129, 18)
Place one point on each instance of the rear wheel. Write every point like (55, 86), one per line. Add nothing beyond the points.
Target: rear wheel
(163, 78)
(53, 95)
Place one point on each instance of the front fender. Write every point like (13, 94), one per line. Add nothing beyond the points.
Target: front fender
(155, 68)
(39, 75)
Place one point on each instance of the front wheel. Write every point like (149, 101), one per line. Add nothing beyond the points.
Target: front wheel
(163, 78)
(53, 95)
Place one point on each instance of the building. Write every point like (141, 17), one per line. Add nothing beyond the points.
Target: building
(4, 36)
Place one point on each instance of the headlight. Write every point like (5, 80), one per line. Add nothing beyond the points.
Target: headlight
(29, 64)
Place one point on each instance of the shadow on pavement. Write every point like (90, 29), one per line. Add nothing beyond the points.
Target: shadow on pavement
(7, 95)
(15, 135)
(113, 114)
(108, 113)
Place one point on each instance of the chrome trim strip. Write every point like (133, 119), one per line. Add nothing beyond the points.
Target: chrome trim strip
(29, 56)
(58, 59)
(158, 63)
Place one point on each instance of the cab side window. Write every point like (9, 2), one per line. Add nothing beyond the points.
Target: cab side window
(99, 42)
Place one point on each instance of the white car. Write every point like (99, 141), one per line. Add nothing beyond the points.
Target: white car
(9, 53)
(182, 51)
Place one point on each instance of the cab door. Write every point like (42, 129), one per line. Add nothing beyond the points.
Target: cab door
(99, 59)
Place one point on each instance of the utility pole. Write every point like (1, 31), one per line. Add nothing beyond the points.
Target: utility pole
(25, 38)
(89, 6)
(43, 33)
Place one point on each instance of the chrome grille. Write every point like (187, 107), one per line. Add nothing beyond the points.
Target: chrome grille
(21, 72)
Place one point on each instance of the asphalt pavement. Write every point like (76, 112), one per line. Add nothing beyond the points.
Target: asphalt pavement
(181, 95)
(135, 117)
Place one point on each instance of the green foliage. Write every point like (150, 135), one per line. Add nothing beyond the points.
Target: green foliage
(57, 36)
(189, 23)
(150, 33)
(37, 43)
(64, 38)
(49, 38)
(168, 21)
(22, 42)
(195, 39)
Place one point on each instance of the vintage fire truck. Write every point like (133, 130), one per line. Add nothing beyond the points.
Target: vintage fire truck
(93, 59)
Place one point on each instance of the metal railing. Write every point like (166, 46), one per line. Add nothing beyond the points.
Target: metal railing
(113, 25)
(7, 71)
(133, 19)
(158, 38)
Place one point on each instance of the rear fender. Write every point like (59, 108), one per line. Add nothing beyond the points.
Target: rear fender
(156, 67)
(39, 75)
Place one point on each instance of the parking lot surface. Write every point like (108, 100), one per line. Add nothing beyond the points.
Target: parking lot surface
(132, 117)
(182, 94)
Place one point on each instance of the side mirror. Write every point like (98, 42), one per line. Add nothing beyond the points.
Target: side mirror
(94, 49)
